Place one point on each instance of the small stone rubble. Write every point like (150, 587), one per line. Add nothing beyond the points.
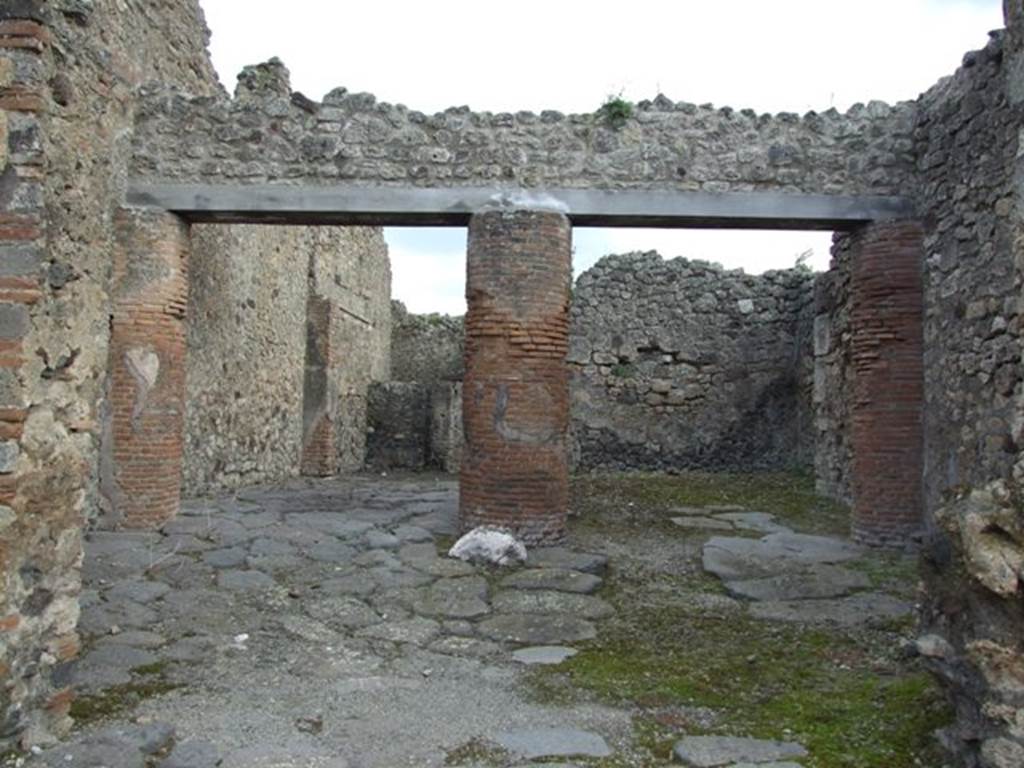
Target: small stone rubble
(489, 546)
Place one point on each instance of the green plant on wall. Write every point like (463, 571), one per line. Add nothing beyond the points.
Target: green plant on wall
(616, 110)
(622, 371)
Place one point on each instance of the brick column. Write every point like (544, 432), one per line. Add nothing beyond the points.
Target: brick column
(319, 450)
(887, 431)
(514, 469)
(147, 366)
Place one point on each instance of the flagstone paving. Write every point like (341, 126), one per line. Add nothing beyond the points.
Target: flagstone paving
(319, 623)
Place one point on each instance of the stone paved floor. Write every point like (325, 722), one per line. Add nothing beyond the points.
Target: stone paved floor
(316, 624)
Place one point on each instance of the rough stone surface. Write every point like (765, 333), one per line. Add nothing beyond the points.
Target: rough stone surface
(399, 426)
(975, 566)
(556, 579)
(567, 559)
(67, 129)
(553, 742)
(821, 581)
(537, 629)
(247, 341)
(739, 558)
(68, 164)
(832, 392)
(968, 145)
(427, 349)
(679, 364)
(846, 611)
(492, 546)
(352, 138)
(794, 577)
(544, 654)
(192, 754)
(713, 751)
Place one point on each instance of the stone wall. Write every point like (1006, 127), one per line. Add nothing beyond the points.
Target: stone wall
(64, 138)
(398, 434)
(426, 348)
(247, 347)
(246, 355)
(681, 365)
(833, 377)
(967, 134)
(351, 137)
(968, 148)
(352, 274)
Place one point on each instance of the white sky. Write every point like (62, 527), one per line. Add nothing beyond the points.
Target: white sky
(569, 55)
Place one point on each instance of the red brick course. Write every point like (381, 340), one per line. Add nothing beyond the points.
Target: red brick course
(147, 365)
(514, 470)
(319, 450)
(887, 429)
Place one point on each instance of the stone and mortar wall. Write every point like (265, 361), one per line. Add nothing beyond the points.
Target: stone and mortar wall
(426, 348)
(973, 616)
(351, 137)
(398, 426)
(967, 134)
(352, 274)
(681, 365)
(416, 419)
(247, 348)
(246, 355)
(833, 377)
(67, 107)
(675, 364)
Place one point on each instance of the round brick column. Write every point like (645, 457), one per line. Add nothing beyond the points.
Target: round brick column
(888, 379)
(515, 469)
(147, 367)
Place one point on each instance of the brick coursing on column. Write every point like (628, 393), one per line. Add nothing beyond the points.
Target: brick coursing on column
(319, 454)
(888, 396)
(514, 471)
(147, 365)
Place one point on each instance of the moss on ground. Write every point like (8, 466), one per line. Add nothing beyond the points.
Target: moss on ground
(789, 495)
(117, 699)
(848, 695)
(477, 752)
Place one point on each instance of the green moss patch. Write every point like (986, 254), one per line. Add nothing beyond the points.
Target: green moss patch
(477, 752)
(788, 495)
(847, 694)
(117, 700)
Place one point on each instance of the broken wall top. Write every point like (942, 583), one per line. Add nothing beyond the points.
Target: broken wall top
(269, 134)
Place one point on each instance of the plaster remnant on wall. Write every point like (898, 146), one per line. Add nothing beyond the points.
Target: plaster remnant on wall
(144, 366)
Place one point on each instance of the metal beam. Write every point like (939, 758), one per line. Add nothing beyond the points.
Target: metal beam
(421, 206)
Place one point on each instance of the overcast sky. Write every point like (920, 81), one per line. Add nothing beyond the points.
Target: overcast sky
(569, 55)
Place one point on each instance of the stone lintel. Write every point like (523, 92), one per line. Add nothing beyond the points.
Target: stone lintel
(453, 206)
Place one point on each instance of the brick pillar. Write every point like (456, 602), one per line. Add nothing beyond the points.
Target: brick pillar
(888, 382)
(319, 451)
(514, 469)
(147, 366)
